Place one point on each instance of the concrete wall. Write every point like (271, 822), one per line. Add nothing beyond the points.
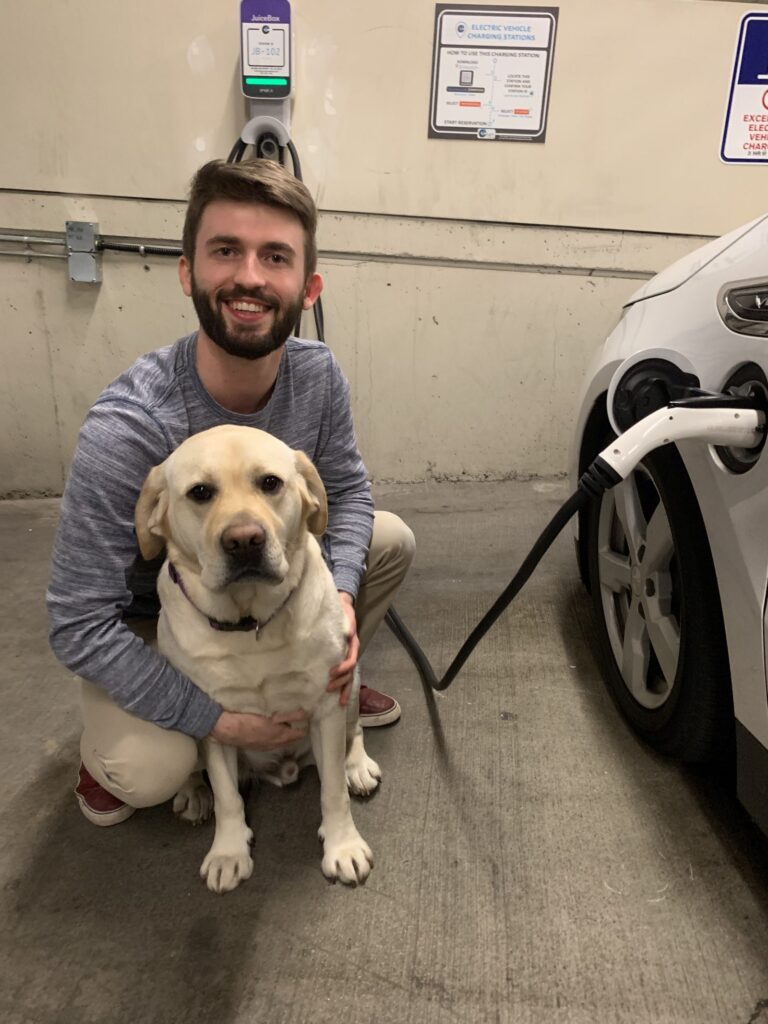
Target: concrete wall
(467, 284)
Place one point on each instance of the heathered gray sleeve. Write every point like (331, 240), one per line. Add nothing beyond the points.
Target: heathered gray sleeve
(94, 548)
(350, 506)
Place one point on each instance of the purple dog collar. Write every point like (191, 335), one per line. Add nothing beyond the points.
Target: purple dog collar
(245, 625)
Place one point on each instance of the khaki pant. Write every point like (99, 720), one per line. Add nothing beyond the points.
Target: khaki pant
(144, 765)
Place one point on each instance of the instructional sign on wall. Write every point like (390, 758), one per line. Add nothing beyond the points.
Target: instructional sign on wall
(491, 72)
(745, 136)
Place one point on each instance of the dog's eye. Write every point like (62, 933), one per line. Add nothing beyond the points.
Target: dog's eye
(200, 493)
(271, 484)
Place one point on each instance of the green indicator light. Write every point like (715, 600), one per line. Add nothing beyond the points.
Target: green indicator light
(266, 81)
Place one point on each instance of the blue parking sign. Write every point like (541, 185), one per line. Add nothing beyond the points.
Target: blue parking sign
(754, 58)
(745, 135)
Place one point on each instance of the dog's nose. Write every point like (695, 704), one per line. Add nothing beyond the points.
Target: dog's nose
(241, 539)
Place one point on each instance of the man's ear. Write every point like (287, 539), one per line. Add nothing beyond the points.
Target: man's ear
(313, 499)
(150, 515)
(185, 276)
(312, 290)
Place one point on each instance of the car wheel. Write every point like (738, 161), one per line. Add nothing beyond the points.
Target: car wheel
(660, 624)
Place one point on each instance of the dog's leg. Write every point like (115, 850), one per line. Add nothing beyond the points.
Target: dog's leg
(229, 859)
(363, 774)
(346, 855)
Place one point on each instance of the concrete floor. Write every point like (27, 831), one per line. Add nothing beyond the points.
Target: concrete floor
(534, 861)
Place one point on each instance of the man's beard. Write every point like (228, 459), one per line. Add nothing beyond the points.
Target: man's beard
(241, 339)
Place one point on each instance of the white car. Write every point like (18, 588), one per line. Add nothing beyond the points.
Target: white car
(676, 557)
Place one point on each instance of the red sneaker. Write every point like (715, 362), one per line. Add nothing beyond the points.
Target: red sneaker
(377, 708)
(98, 805)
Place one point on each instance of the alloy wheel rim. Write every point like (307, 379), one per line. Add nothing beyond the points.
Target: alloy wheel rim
(640, 588)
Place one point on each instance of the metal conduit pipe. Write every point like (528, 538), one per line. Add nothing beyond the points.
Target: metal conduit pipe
(144, 249)
(29, 254)
(103, 244)
(31, 239)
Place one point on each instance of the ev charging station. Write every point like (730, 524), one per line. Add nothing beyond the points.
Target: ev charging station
(266, 75)
(266, 49)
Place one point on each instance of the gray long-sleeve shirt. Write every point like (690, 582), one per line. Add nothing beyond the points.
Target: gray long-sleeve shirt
(98, 576)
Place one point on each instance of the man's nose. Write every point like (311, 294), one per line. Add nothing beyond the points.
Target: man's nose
(250, 272)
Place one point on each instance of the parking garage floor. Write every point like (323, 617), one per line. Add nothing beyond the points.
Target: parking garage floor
(534, 862)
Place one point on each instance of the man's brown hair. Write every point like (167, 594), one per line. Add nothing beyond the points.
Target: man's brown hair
(251, 181)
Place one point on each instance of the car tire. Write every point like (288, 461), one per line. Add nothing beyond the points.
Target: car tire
(660, 625)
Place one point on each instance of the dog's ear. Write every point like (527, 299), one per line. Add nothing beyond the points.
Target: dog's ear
(313, 497)
(150, 516)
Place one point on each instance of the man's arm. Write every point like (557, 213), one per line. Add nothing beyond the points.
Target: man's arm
(350, 505)
(94, 550)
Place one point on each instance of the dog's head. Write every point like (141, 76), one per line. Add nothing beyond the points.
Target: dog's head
(233, 501)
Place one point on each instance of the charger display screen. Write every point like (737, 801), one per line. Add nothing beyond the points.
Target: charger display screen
(265, 61)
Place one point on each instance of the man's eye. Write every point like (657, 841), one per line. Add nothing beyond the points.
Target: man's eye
(200, 493)
(271, 484)
(224, 250)
(277, 257)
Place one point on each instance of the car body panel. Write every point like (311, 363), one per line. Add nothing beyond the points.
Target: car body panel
(683, 269)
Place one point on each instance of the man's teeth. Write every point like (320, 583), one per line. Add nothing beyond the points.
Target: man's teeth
(249, 307)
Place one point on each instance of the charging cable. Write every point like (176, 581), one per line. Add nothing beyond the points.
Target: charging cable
(724, 420)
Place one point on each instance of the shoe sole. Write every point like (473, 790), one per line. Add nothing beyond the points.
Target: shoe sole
(385, 718)
(105, 818)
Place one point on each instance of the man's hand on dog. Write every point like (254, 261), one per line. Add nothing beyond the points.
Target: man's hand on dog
(343, 674)
(260, 732)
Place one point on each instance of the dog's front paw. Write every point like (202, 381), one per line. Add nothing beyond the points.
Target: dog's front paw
(227, 865)
(348, 859)
(194, 801)
(363, 774)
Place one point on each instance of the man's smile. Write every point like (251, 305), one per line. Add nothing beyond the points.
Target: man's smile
(247, 310)
(253, 307)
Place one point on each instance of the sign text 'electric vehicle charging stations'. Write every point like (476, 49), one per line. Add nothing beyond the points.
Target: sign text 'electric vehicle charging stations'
(491, 72)
(745, 136)
(265, 49)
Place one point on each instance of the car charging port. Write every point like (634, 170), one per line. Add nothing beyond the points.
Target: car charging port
(750, 383)
(648, 386)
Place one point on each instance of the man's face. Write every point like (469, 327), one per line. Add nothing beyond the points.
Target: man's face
(247, 282)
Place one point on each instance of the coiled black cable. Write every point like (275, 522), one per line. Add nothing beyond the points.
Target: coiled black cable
(236, 153)
(295, 160)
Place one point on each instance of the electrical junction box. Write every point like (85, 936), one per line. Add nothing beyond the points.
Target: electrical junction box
(265, 49)
(83, 256)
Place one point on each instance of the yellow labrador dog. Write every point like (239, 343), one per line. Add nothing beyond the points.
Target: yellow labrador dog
(251, 614)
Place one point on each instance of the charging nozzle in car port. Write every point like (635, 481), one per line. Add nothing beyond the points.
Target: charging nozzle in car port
(641, 388)
(729, 425)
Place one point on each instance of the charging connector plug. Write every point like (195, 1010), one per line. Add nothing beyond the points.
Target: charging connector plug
(700, 420)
